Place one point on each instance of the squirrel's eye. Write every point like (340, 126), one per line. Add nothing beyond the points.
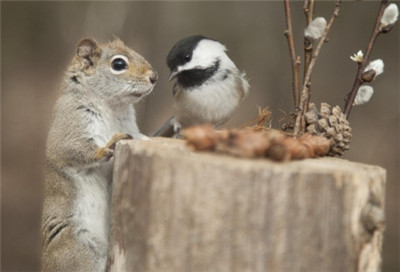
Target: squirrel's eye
(119, 64)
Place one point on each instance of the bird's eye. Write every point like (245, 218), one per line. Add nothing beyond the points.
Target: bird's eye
(188, 56)
(119, 64)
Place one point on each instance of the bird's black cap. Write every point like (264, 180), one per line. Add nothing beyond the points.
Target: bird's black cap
(181, 52)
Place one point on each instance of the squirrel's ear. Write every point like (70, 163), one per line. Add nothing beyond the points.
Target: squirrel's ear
(88, 50)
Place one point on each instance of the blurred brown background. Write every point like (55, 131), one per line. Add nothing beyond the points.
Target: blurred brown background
(38, 39)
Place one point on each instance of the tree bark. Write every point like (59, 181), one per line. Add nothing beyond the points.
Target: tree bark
(176, 210)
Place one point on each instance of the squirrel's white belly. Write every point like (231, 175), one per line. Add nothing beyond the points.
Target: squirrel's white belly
(91, 207)
(103, 127)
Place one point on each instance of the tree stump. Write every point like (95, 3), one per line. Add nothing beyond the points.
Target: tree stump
(177, 210)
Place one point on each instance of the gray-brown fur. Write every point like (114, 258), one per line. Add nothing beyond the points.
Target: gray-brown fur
(92, 113)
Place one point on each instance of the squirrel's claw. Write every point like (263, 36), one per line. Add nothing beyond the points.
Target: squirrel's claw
(116, 138)
(106, 153)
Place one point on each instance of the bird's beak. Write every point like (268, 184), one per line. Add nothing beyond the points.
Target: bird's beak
(173, 74)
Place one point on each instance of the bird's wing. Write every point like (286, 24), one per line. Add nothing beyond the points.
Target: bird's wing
(166, 130)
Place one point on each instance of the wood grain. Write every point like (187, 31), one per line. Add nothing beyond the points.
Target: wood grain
(176, 210)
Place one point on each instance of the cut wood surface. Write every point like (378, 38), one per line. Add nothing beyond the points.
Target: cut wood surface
(177, 210)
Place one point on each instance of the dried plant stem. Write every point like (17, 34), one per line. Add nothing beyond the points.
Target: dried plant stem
(295, 60)
(299, 124)
(308, 8)
(361, 66)
(308, 44)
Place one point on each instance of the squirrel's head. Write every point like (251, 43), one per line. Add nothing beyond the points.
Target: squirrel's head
(112, 70)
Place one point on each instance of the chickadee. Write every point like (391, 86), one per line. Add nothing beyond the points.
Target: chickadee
(208, 86)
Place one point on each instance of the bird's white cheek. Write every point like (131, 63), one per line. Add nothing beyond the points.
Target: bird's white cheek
(186, 67)
(199, 61)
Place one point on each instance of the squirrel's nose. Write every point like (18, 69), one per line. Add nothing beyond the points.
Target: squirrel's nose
(153, 76)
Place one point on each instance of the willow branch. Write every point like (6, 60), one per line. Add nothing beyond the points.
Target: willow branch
(361, 66)
(295, 61)
(308, 44)
(299, 124)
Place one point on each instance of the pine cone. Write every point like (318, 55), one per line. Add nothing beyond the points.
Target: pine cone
(330, 123)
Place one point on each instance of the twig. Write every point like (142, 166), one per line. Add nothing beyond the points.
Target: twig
(361, 65)
(299, 125)
(263, 119)
(308, 46)
(295, 61)
(309, 10)
(308, 43)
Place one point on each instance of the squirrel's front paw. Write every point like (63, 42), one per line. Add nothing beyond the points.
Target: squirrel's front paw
(105, 153)
(116, 138)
